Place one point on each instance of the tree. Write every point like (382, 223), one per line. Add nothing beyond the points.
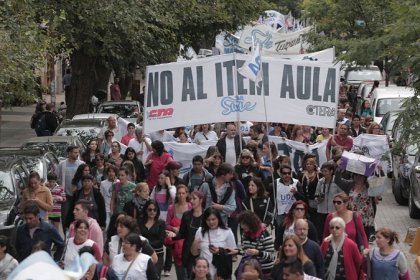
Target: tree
(361, 31)
(26, 43)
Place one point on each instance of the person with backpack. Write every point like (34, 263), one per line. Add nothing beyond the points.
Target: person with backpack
(197, 176)
(44, 122)
(220, 193)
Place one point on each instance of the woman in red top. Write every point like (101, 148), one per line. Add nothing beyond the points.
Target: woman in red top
(353, 221)
(341, 256)
(156, 162)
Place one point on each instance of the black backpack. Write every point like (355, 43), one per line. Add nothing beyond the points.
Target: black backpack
(41, 127)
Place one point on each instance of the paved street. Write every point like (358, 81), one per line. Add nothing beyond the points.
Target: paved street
(14, 128)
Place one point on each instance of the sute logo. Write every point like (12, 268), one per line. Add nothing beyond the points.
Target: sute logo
(160, 113)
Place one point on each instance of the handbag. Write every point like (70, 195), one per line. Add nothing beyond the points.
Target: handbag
(223, 262)
(378, 183)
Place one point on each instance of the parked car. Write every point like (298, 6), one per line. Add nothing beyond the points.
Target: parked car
(38, 160)
(86, 129)
(402, 157)
(55, 144)
(127, 109)
(414, 194)
(355, 75)
(14, 177)
(101, 116)
(388, 99)
(388, 120)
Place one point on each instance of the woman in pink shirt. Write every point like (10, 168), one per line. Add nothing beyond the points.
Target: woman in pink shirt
(156, 162)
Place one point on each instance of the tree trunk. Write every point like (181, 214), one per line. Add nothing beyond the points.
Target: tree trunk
(102, 74)
(82, 83)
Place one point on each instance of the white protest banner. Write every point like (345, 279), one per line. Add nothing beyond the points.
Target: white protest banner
(374, 146)
(203, 91)
(184, 152)
(326, 55)
(296, 150)
(273, 42)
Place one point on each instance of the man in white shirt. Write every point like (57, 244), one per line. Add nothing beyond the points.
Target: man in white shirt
(229, 146)
(112, 125)
(141, 144)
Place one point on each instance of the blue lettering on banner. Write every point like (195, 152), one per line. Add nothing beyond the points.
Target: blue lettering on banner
(260, 37)
(286, 197)
(232, 104)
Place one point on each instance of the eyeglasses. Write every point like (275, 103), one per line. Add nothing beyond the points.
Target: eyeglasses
(338, 202)
(299, 209)
(151, 210)
(286, 173)
(335, 227)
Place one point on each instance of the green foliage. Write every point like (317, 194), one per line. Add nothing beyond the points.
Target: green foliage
(24, 45)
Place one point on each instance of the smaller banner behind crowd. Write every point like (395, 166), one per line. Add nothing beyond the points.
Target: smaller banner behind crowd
(376, 147)
(183, 153)
(211, 90)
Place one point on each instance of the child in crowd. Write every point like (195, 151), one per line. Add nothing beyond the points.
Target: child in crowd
(59, 197)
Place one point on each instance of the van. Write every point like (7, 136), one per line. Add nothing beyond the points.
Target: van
(387, 99)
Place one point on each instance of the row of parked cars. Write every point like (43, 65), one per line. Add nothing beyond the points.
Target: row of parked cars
(42, 154)
(386, 106)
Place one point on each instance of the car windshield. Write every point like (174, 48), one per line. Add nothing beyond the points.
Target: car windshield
(34, 164)
(85, 133)
(58, 148)
(387, 104)
(7, 193)
(364, 74)
(122, 110)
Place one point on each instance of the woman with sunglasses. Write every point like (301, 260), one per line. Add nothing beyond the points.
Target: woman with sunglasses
(89, 155)
(299, 210)
(341, 255)
(190, 222)
(353, 221)
(98, 171)
(105, 147)
(153, 228)
(291, 250)
(259, 202)
(246, 167)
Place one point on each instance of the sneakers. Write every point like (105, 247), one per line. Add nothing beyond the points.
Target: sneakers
(166, 273)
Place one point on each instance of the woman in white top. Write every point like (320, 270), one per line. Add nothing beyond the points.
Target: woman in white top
(79, 241)
(205, 134)
(132, 263)
(213, 237)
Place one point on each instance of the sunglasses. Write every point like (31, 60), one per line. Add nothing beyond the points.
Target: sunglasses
(286, 173)
(338, 202)
(300, 209)
(151, 210)
(335, 227)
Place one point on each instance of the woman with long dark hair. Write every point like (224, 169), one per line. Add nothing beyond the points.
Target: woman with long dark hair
(130, 155)
(89, 155)
(190, 222)
(258, 201)
(212, 239)
(153, 228)
(115, 156)
(82, 170)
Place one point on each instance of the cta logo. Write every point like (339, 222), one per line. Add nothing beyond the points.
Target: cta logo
(162, 113)
(322, 111)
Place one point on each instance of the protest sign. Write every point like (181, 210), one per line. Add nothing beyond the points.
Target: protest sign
(210, 90)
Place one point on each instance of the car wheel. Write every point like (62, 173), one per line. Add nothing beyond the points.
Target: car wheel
(413, 211)
(397, 191)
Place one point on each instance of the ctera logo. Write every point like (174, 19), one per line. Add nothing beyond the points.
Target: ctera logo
(322, 111)
(162, 113)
